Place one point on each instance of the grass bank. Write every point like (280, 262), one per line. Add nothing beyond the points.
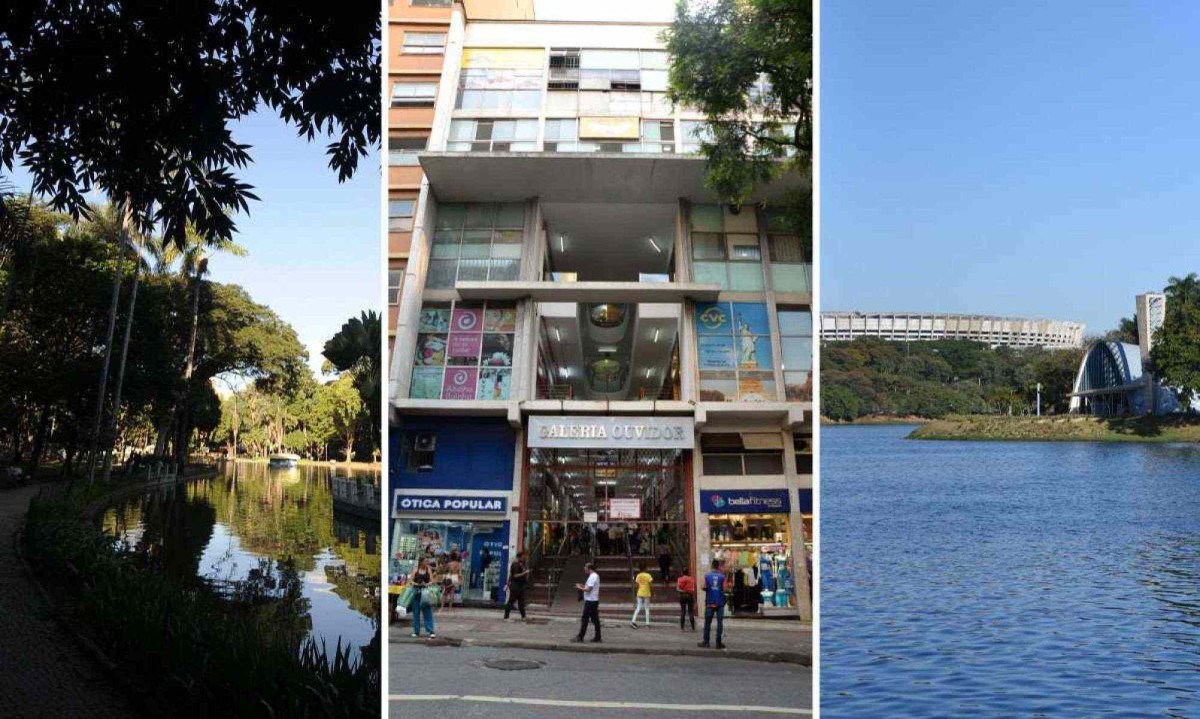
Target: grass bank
(188, 649)
(1061, 428)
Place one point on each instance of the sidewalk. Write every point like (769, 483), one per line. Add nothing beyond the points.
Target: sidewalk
(753, 639)
(43, 671)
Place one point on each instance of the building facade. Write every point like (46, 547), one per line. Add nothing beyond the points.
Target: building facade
(589, 350)
(916, 327)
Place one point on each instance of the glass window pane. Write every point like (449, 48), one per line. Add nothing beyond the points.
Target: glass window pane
(707, 218)
(711, 273)
(445, 245)
(722, 464)
(610, 59)
(526, 99)
(441, 274)
(797, 386)
(745, 277)
(462, 129)
(790, 278)
(505, 270)
(480, 215)
(707, 246)
(795, 322)
(797, 353)
(764, 463)
(475, 243)
(786, 248)
(450, 215)
(504, 130)
(651, 130)
(511, 215)
(562, 129)
(472, 270)
(654, 59)
(526, 130)
(654, 80)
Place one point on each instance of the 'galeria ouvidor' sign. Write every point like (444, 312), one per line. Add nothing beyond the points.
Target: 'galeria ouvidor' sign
(611, 432)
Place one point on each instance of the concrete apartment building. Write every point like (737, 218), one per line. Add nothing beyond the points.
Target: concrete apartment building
(917, 327)
(591, 355)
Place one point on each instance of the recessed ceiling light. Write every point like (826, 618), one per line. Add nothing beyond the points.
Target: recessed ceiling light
(557, 335)
(656, 331)
(562, 243)
(648, 370)
(655, 245)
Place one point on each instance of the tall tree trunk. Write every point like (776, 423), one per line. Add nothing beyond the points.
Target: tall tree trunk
(121, 368)
(189, 370)
(112, 326)
(39, 440)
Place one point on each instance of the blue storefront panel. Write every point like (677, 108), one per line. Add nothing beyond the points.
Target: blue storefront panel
(472, 453)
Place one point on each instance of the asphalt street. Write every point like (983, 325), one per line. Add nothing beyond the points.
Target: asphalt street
(447, 682)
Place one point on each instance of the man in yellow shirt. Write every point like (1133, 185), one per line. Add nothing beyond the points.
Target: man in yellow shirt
(643, 581)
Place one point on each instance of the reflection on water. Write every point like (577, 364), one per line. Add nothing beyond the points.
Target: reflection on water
(252, 522)
(1008, 579)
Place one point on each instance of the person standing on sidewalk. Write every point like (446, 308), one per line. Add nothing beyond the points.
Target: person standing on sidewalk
(686, 587)
(591, 603)
(421, 580)
(714, 603)
(643, 580)
(518, 580)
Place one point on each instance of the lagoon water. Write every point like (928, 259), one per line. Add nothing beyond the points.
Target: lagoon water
(1008, 579)
(220, 529)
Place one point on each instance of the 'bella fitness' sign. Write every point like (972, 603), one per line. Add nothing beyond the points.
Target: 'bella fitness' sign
(744, 501)
(403, 503)
(612, 432)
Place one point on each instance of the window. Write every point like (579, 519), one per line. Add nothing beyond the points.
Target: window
(400, 215)
(738, 454)
(413, 94)
(464, 351)
(402, 151)
(485, 88)
(658, 136)
(395, 280)
(796, 343)
(476, 242)
(563, 136)
(790, 267)
(802, 443)
(694, 132)
(725, 248)
(493, 136)
(432, 3)
(424, 43)
(734, 342)
(564, 70)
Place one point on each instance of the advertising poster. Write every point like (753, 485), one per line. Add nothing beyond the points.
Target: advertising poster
(464, 348)
(712, 318)
(494, 383)
(426, 383)
(753, 389)
(497, 350)
(434, 319)
(466, 320)
(459, 383)
(500, 319)
(753, 316)
(716, 352)
(431, 350)
(625, 508)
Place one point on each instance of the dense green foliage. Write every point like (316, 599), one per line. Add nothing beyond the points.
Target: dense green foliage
(57, 284)
(137, 99)
(356, 349)
(747, 66)
(872, 377)
(1175, 356)
(197, 652)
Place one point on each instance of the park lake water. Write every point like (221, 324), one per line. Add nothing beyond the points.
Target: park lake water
(324, 519)
(1008, 579)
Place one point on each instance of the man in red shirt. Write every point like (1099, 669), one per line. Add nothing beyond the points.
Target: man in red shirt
(686, 587)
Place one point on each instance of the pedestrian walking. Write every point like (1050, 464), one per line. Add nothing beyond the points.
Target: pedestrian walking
(643, 580)
(591, 603)
(714, 603)
(421, 580)
(518, 580)
(685, 586)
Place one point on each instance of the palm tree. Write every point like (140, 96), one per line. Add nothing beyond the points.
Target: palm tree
(192, 258)
(356, 348)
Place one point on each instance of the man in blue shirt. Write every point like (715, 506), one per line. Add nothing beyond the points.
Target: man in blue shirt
(714, 602)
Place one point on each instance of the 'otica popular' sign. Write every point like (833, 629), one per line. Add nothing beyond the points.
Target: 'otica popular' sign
(612, 432)
(443, 504)
(744, 501)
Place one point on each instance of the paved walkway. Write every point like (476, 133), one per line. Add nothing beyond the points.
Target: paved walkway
(754, 639)
(43, 671)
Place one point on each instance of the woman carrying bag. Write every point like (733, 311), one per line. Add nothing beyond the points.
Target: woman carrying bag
(423, 598)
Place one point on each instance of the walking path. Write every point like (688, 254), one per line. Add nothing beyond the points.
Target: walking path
(43, 671)
(754, 639)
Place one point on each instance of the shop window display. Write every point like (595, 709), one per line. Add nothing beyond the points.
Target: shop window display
(734, 341)
(756, 551)
(479, 546)
(464, 351)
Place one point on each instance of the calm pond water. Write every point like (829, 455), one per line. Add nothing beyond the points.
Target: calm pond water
(325, 520)
(1008, 579)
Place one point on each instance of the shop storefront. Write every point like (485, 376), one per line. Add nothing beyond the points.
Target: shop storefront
(750, 532)
(474, 528)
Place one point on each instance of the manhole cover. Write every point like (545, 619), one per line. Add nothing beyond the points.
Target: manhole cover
(512, 665)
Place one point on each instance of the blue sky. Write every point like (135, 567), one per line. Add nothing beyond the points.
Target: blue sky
(1026, 158)
(314, 244)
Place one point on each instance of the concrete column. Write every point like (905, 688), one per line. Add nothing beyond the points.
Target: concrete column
(688, 357)
(796, 529)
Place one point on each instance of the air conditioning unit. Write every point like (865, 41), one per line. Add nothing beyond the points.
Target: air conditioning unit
(424, 442)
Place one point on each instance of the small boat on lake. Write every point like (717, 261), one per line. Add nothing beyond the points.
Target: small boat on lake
(283, 461)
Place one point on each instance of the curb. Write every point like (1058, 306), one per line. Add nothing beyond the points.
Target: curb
(799, 658)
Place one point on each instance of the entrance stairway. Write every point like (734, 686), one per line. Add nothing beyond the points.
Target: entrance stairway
(616, 588)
